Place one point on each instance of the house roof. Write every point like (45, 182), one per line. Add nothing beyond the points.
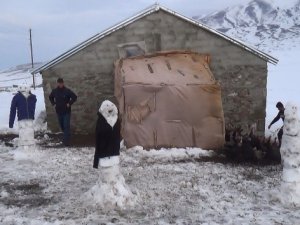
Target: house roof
(154, 8)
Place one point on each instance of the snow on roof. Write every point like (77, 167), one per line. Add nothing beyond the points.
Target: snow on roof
(154, 8)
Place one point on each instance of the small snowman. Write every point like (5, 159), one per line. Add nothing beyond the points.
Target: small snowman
(111, 190)
(23, 105)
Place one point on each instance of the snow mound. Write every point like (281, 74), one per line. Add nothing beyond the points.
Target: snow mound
(168, 155)
(111, 190)
(39, 123)
(26, 153)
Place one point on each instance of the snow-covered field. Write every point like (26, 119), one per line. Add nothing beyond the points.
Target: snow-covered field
(174, 188)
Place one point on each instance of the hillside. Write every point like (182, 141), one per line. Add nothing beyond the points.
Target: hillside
(18, 75)
(267, 24)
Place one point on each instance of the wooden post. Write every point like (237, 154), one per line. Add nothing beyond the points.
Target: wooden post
(31, 54)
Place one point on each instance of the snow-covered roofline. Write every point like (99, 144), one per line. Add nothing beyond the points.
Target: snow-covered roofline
(154, 8)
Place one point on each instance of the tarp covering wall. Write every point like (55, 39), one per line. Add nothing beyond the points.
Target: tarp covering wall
(169, 99)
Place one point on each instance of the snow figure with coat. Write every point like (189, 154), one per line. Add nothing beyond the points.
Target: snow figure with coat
(290, 154)
(110, 190)
(23, 105)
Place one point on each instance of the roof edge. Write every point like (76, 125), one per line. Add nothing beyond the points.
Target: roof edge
(141, 14)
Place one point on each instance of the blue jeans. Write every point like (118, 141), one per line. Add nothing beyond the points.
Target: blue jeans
(64, 123)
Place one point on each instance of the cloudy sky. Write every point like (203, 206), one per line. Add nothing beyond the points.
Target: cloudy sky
(58, 25)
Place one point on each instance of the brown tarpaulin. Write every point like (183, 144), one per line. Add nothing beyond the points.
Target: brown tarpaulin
(169, 99)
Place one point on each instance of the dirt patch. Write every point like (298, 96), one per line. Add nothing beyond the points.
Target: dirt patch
(23, 194)
(77, 140)
(53, 140)
(7, 139)
(220, 158)
(252, 175)
(83, 140)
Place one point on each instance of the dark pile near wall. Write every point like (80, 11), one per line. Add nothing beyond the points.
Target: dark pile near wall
(244, 147)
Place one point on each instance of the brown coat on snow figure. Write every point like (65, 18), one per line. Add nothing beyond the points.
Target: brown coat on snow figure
(107, 149)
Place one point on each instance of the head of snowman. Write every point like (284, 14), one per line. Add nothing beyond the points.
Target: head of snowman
(291, 111)
(25, 90)
(291, 121)
(109, 111)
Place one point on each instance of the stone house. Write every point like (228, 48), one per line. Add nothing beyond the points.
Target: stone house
(88, 68)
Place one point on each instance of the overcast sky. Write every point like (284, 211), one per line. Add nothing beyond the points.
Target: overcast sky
(60, 24)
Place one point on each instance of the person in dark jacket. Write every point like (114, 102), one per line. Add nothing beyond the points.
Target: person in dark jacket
(108, 136)
(23, 104)
(63, 98)
(279, 116)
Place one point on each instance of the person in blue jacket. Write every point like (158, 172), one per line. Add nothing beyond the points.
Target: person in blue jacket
(63, 98)
(23, 105)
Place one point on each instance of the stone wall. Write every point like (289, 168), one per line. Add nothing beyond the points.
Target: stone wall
(89, 73)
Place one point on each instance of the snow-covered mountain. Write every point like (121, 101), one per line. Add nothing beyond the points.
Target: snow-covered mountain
(267, 24)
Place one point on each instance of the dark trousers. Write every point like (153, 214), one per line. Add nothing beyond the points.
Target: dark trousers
(279, 135)
(64, 123)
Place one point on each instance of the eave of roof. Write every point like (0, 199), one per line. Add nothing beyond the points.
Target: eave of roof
(147, 11)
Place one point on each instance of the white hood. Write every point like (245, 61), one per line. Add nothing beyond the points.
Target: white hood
(25, 90)
(109, 111)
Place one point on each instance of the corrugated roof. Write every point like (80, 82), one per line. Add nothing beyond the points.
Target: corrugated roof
(147, 11)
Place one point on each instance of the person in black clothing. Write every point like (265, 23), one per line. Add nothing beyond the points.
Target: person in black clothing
(279, 116)
(62, 98)
(108, 136)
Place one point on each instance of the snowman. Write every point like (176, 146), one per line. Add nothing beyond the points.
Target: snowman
(290, 154)
(111, 190)
(23, 105)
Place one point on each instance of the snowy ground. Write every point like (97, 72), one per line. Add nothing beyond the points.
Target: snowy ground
(172, 188)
